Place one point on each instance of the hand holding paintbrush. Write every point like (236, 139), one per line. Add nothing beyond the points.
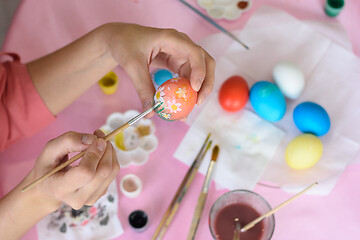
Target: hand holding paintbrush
(81, 154)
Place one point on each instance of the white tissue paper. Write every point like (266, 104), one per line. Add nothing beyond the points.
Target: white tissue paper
(332, 76)
(97, 222)
(247, 143)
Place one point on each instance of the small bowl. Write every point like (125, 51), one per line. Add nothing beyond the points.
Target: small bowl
(131, 185)
(139, 156)
(149, 143)
(115, 120)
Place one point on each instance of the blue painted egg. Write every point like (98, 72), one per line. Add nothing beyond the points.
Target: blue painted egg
(312, 118)
(162, 75)
(267, 101)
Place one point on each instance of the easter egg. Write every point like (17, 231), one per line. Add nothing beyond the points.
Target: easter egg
(162, 75)
(289, 78)
(303, 151)
(310, 117)
(267, 101)
(177, 97)
(233, 94)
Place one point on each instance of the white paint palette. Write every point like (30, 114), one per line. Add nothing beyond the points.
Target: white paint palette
(225, 9)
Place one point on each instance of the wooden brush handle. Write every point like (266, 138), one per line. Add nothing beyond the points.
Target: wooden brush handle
(197, 216)
(73, 159)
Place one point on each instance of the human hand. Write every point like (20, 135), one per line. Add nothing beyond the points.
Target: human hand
(135, 47)
(78, 185)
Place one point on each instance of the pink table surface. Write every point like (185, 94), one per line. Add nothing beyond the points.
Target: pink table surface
(41, 26)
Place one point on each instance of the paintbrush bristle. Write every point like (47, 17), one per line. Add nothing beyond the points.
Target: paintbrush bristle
(215, 153)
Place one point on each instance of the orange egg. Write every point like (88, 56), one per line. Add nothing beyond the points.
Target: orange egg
(178, 99)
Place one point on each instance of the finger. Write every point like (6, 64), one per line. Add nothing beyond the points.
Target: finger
(80, 175)
(138, 71)
(198, 68)
(180, 45)
(185, 70)
(96, 185)
(103, 189)
(68, 142)
(99, 133)
(208, 83)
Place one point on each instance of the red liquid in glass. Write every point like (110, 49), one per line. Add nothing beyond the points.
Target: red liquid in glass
(225, 224)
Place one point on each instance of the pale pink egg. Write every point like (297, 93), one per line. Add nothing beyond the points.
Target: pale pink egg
(177, 97)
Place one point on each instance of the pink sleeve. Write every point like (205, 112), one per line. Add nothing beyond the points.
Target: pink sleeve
(22, 111)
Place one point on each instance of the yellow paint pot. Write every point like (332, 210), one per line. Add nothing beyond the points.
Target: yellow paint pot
(119, 141)
(109, 83)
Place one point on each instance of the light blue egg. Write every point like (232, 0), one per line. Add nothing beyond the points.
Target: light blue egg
(267, 101)
(162, 75)
(312, 118)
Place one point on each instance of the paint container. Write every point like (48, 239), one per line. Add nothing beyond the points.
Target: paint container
(134, 144)
(109, 83)
(334, 7)
(131, 185)
(244, 206)
(138, 220)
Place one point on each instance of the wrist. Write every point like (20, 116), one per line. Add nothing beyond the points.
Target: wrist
(38, 197)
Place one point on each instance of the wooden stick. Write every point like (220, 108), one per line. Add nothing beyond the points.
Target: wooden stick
(237, 229)
(79, 155)
(202, 198)
(170, 211)
(252, 223)
(182, 194)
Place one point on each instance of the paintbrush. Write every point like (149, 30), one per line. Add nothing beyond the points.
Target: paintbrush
(237, 229)
(171, 210)
(106, 138)
(182, 194)
(202, 197)
(252, 223)
(212, 22)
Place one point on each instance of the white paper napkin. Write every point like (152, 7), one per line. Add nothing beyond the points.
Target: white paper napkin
(332, 78)
(98, 222)
(247, 143)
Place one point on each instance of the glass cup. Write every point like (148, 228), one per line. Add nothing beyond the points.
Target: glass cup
(242, 206)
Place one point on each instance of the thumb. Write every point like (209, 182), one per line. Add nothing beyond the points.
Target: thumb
(138, 71)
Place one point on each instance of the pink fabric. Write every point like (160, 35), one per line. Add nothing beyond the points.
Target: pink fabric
(41, 26)
(22, 111)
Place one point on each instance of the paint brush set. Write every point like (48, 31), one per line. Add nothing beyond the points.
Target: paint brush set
(184, 186)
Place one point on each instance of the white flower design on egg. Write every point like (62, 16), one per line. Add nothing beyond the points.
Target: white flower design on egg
(173, 106)
(159, 95)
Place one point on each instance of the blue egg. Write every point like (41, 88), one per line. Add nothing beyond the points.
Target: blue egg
(268, 101)
(312, 118)
(162, 75)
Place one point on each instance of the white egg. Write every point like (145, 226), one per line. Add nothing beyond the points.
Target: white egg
(289, 78)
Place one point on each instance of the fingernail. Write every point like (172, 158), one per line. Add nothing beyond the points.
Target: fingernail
(101, 144)
(198, 84)
(201, 99)
(86, 139)
(147, 104)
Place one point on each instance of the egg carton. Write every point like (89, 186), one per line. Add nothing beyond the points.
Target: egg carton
(226, 9)
(134, 144)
